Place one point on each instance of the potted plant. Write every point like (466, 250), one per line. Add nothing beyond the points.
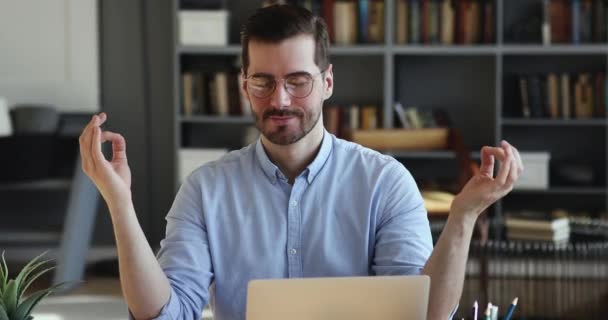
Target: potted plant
(13, 304)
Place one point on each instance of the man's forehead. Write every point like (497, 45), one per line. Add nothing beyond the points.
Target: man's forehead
(294, 54)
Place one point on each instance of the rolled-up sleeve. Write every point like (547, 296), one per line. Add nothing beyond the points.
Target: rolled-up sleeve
(403, 236)
(184, 255)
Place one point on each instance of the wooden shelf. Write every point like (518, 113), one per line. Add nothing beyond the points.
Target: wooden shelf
(554, 122)
(481, 49)
(554, 49)
(566, 190)
(45, 184)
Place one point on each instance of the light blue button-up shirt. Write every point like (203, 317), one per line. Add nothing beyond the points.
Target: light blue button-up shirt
(351, 212)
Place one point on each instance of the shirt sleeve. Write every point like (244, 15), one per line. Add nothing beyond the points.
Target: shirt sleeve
(184, 255)
(403, 235)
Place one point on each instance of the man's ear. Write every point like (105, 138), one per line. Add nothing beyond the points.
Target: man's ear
(328, 82)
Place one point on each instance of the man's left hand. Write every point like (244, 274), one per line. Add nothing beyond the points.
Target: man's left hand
(483, 189)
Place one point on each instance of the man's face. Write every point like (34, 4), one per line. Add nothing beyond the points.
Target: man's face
(280, 116)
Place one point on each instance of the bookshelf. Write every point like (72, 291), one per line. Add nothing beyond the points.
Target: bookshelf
(472, 82)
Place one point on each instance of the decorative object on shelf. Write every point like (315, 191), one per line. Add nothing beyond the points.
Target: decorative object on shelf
(536, 173)
(203, 27)
(569, 173)
(190, 159)
(14, 306)
(437, 202)
(35, 119)
(6, 127)
(401, 139)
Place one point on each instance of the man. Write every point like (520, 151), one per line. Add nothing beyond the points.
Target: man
(297, 203)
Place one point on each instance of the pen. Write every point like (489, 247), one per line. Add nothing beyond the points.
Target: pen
(475, 309)
(511, 309)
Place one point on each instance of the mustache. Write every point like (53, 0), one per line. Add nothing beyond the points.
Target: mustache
(281, 113)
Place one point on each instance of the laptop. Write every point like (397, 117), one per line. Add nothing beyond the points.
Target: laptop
(351, 298)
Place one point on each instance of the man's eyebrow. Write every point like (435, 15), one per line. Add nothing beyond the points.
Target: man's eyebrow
(298, 73)
(262, 74)
(268, 75)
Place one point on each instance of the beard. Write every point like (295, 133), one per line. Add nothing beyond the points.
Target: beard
(289, 133)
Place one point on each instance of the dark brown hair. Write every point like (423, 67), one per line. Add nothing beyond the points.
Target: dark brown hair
(276, 23)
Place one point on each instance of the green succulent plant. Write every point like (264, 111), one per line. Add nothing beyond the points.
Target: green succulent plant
(13, 304)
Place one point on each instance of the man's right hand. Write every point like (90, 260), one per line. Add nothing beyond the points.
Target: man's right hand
(112, 178)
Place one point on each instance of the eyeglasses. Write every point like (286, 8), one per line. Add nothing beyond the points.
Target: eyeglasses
(298, 85)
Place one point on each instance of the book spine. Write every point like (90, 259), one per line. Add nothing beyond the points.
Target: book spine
(576, 23)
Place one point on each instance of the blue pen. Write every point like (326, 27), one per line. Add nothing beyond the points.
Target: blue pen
(511, 309)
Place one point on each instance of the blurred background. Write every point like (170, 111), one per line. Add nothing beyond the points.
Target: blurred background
(429, 82)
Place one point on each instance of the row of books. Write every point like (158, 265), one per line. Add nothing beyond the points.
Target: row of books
(213, 93)
(575, 21)
(349, 21)
(445, 21)
(551, 281)
(340, 119)
(538, 226)
(558, 226)
(565, 96)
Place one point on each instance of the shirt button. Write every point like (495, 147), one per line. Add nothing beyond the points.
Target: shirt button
(294, 203)
(293, 251)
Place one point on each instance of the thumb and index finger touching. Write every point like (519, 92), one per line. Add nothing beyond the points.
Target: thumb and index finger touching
(93, 136)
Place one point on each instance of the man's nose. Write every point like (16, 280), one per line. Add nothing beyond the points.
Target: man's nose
(280, 97)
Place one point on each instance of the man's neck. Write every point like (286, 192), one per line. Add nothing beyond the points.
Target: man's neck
(294, 158)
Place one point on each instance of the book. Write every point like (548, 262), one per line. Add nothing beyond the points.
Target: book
(369, 117)
(401, 117)
(376, 21)
(222, 93)
(599, 24)
(566, 100)
(576, 21)
(586, 21)
(415, 21)
(327, 7)
(546, 22)
(363, 20)
(402, 31)
(489, 23)
(187, 93)
(345, 22)
(447, 22)
(525, 102)
(434, 21)
(583, 96)
(535, 95)
(553, 95)
(354, 116)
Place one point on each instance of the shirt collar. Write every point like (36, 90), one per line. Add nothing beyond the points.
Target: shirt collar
(272, 172)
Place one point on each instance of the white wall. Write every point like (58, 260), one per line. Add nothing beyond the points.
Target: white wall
(49, 53)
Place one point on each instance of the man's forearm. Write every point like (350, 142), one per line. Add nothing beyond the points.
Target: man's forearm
(145, 287)
(447, 264)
